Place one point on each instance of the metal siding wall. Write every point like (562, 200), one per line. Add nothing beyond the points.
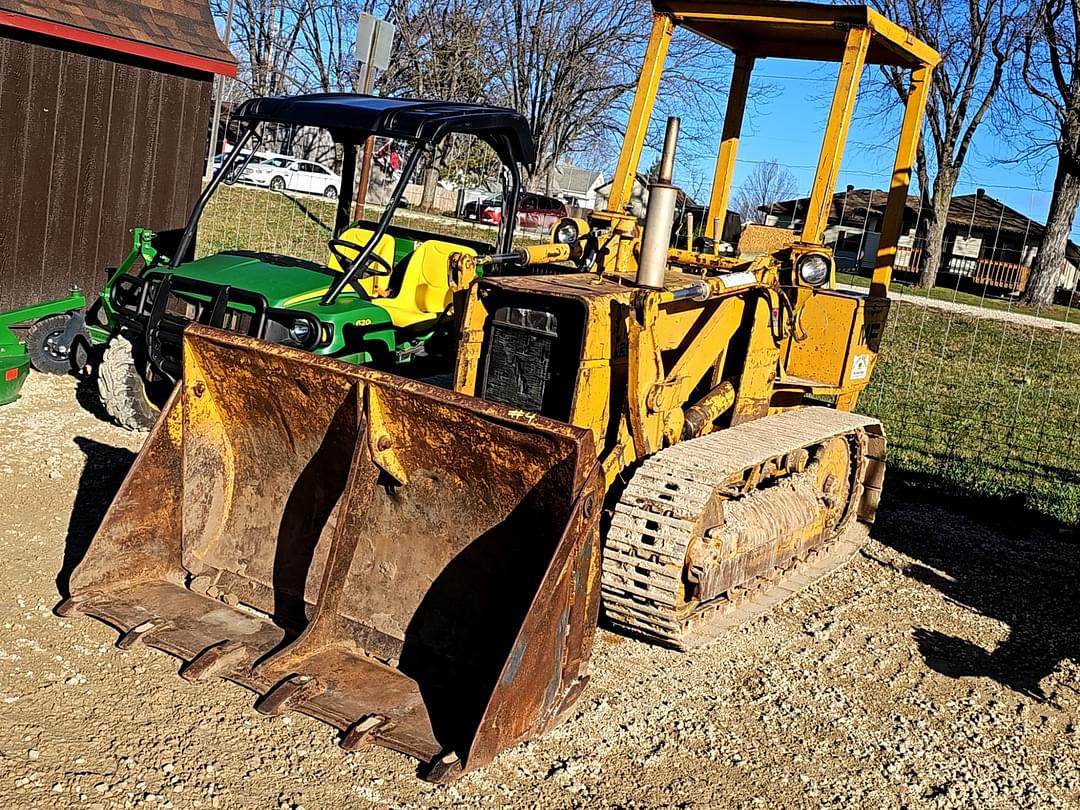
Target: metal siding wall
(90, 149)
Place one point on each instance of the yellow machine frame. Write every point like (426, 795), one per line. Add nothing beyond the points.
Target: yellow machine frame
(654, 362)
(424, 570)
(861, 32)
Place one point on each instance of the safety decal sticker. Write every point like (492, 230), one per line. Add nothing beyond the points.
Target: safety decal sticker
(860, 366)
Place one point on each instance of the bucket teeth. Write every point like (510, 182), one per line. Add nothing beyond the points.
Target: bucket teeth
(72, 606)
(140, 631)
(214, 661)
(363, 733)
(445, 768)
(288, 694)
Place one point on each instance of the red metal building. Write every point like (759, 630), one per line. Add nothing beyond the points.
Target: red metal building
(104, 114)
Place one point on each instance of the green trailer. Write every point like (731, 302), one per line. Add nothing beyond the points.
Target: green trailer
(52, 330)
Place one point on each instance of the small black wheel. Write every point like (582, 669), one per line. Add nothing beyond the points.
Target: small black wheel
(122, 389)
(45, 346)
(80, 353)
(330, 193)
(277, 183)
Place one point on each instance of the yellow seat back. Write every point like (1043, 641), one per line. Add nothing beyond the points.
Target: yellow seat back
(374, 286)
(425, 288)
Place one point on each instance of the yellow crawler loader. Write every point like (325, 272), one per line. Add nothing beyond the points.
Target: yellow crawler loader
(424, 569)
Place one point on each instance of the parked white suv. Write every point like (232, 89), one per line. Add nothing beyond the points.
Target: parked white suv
(280, 173)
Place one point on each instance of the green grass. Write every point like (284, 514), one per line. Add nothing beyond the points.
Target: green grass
(981, 407)
(242, 217)
(986, 300)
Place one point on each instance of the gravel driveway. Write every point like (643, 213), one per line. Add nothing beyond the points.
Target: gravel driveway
(938, 668)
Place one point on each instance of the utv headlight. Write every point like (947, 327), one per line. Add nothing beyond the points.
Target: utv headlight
(814, 269)
(566, 232)
(302, 332)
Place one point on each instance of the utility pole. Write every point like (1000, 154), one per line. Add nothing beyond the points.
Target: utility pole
(219, 85)
(366, 86)
(374, 40)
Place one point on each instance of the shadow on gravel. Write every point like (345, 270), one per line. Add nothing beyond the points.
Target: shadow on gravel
(101, 477)
(1006, 569)
(86, 394)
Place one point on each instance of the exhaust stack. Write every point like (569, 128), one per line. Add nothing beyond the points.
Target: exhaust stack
(659, 216)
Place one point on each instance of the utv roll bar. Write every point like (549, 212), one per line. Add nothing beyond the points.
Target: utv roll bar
(350, 118)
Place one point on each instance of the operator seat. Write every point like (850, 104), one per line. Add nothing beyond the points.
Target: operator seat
(424, 293)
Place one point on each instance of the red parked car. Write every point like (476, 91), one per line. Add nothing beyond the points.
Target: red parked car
(534, 211)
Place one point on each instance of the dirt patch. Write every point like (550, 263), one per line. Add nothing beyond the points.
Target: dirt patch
(939, 668)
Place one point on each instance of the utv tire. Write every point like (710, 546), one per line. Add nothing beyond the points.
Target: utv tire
(43, 346)
(122, 389)
(277, 184)
(330, 193)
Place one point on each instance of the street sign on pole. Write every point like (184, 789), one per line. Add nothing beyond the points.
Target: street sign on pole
(384, 40)
(365, 33)
(374, 41)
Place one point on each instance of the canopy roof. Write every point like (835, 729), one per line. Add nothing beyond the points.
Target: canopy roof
(797, 30)
(351, 117)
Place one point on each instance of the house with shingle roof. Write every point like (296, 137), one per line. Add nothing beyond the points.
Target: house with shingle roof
(573, 185)
(986, 241)
(104, 111)
(639, 198)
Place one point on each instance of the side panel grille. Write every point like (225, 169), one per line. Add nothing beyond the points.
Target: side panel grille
(521, 350)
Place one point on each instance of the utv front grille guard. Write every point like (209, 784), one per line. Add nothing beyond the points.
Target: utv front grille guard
(165, 330)
(143, 305)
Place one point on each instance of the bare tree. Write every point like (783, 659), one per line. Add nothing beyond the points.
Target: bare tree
(571, 67)
(769, 182)
(441, 52)
(325, 58)
(565, 64)
(265, 36)
(975, 39)
(1052, 105)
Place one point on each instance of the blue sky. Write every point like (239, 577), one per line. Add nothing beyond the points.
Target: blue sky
(787, 126)
(787, 122)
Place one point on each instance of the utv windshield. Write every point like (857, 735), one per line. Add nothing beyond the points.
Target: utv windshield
(295, 199)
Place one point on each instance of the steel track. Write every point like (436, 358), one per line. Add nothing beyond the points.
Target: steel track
(663, 510)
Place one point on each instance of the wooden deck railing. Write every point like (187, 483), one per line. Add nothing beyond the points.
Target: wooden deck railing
(907, 258)
(1001, 274)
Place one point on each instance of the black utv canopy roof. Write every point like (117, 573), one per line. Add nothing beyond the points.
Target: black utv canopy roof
(350, 116)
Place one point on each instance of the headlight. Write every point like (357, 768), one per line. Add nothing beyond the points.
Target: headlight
(301, 331)
(814, 269)
(566, 232)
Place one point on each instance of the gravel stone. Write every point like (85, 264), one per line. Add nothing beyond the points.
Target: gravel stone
(939, 668)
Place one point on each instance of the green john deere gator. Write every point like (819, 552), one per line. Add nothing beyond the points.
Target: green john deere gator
(380, 294)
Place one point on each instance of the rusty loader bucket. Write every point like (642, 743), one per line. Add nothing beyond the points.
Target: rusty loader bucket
(418, 568)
